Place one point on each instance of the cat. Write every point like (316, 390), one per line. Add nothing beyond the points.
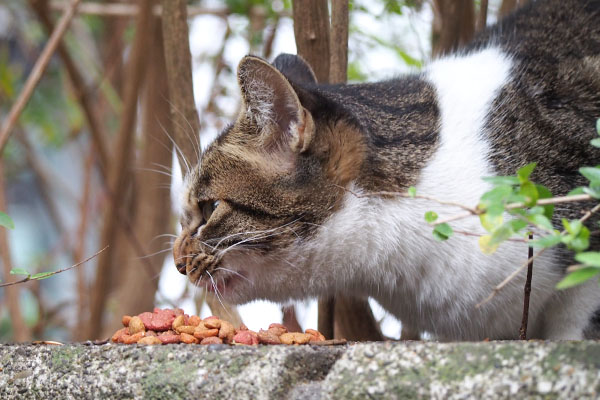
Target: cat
(283, 204)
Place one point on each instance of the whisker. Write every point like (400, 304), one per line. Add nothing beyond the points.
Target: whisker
(233, 272)
(177, 148)
(195, 145)
(155, 170)
(153, 254)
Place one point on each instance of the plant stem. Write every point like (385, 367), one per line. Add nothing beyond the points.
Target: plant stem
(527, 292)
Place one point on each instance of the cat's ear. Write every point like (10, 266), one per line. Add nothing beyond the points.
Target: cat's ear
(295, 68)
(272, 104)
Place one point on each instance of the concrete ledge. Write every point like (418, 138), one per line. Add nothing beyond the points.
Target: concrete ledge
(370, 370)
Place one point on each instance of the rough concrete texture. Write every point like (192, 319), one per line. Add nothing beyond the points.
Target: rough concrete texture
(372, 370)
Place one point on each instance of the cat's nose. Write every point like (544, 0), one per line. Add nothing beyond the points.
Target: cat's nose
(181, 268)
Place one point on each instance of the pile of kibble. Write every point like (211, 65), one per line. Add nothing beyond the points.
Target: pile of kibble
(164, 326)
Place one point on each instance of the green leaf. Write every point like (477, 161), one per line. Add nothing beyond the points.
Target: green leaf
(490, 222)
(536, 210)
(408, 59)
(598, 126)
(442, 232)
(542, 221)
(6, 221)
(496, 195)
(524, 172)
(577, 190)
(572, 227)
(591, 173)
(501, 234)
(517, 224)
(501, 180)
(593, 190)
(589, 258)
(19, 271)
(546, 241)
(545, 193)
(595, 142)
(578, 277)
(485, 244)
(41, 275)
(530, 192)
(578, 240)
(431, 216)
(412, 191)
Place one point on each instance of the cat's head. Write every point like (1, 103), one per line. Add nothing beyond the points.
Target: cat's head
(264, 187)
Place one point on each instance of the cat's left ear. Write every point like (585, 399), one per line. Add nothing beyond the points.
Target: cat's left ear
(272, 104)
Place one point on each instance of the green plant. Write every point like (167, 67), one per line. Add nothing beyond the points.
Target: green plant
(530, 205)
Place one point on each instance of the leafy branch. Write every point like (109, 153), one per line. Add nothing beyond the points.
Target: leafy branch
(44, 275)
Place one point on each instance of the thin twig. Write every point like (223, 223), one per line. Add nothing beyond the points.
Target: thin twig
(509, 278)
(527, 293)
(37, 72)
(472, 211)
(131, 10)
(28, 278)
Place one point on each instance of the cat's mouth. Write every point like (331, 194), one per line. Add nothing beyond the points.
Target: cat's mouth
(206, 271)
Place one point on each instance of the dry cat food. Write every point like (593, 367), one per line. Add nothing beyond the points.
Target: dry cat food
(164, 326)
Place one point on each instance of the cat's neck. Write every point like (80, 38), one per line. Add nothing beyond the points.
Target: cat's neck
(399, 123)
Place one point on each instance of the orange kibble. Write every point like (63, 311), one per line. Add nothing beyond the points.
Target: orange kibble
(211, 340)
(125, 320)
(149, 340)
(316, 335)
(189, 339)
(204, 333)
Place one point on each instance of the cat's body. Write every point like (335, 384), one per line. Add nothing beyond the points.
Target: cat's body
(292, 175)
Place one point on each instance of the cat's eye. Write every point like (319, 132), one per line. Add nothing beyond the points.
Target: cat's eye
(207, 208)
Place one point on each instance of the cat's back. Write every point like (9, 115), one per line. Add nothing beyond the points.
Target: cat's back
(546, 110)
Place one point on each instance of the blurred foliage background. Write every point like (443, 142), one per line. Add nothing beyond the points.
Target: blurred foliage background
(54, 180)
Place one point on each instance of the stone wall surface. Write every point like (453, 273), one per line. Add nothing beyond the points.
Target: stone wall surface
(385, 370)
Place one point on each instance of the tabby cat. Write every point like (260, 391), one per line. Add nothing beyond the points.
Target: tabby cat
(284, 205)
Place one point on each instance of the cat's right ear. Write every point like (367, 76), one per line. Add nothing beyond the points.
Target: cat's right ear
(295, 68)
(271, 103)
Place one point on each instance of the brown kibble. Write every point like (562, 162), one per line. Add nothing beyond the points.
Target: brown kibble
(226, 332)
(189, 339)
(204, 333)
(194, 320)
(211, 317)
(116, 338)
(211, 340)
(125, 320)
(295, 338)
(277, 330)
(178, 321)
(147, 340)
(151, 333)
(278, 326)
(268, 337)
(316, 335)
(131, 339)
(169, 337)
(136, 325)
(189, 329)
(212, 323)
(246, 337)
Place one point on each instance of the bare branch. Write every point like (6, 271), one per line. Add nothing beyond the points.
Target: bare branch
(37, 72)
(51, 273)
(131, 10)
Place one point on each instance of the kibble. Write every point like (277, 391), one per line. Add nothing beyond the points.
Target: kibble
(164, 326)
